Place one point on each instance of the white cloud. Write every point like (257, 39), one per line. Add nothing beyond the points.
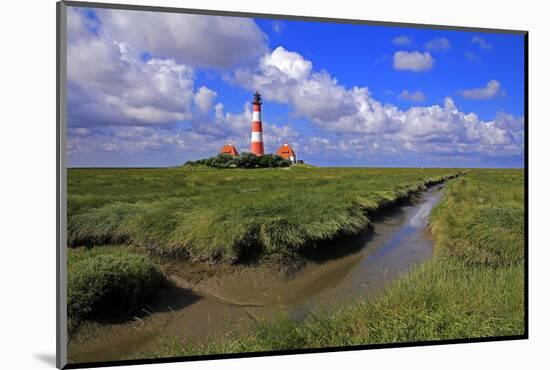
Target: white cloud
(205, 138)
(441, 130)
(79, 27)
(416, 96)
(116, 96)
(218, 108)
(291, 65)
(472, 57)
(369, 116)
(402, 40)
(121, 103)
(128, 141)
(412, 61)
(316, 145)
(438, 44)
(277, 26)
(286, 77)
(79, 131)
(204, 98)
(197, 40)
(110, 84)
(491, 90)
(355, 120)
(481, 43)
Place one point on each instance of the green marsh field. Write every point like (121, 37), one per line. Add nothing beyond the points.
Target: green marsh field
(124, 224)
(227, 215)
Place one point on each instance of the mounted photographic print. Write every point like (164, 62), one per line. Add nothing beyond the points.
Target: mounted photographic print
(235, 184)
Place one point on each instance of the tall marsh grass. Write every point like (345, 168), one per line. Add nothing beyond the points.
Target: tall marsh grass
(227, 215)
(473, 288)
(108, 281)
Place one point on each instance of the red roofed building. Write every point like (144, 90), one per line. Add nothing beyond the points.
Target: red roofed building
(229, 149)
(287, 152)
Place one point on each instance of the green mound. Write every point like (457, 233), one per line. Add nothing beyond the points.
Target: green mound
(103, 283)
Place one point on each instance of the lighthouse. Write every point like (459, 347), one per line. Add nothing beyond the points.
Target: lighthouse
(256, 140)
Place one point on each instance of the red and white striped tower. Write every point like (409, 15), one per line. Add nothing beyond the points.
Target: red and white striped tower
(257, 140)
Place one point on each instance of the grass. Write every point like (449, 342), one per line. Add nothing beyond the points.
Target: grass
(108, 280)
(229, 215)
(473, 288)
(481, 220)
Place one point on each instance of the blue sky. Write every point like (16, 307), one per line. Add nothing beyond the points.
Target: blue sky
(157, 89)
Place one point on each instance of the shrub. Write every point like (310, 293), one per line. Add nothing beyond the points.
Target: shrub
(245, 160)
